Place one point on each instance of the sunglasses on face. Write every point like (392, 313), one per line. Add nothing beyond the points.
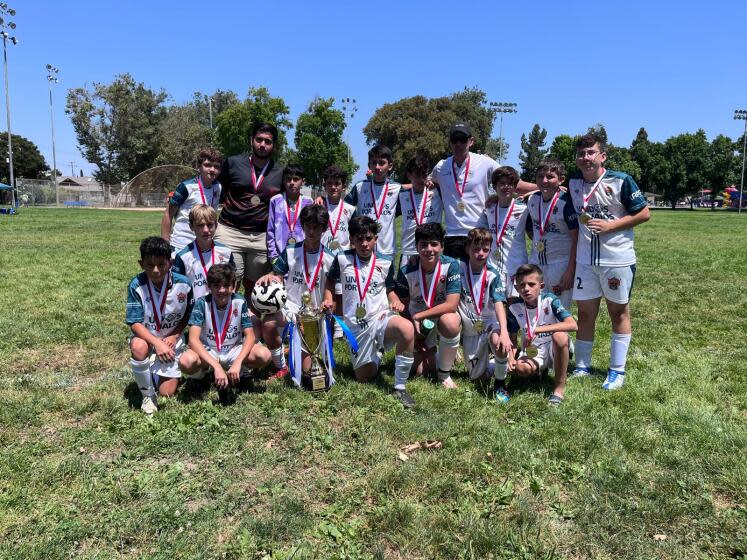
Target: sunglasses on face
(459, 139)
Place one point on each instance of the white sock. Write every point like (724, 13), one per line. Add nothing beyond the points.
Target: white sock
(402, 366)
(583, 353)
(446, 354)
(619, 351)
(141, 373)
(501, 365)
(278, 357)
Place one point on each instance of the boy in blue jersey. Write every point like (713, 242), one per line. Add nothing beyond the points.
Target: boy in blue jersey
(303, 267)
(482, 312)
(366, 277)
(609, 205)
(544, 324)
(195, 259)
(202, 189)
(159, 303)
(429, 288)
(221, 338)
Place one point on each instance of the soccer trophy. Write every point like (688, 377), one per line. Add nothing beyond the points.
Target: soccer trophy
(311, 322)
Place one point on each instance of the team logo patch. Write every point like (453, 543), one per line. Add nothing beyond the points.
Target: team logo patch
(613, 283)
(608, 190)
(181, 297)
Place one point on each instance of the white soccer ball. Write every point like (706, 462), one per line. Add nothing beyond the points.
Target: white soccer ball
(269, 298)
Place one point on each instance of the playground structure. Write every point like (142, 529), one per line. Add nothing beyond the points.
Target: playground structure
(151, 187)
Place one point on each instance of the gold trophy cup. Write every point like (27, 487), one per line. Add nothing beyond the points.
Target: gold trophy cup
(310, 325)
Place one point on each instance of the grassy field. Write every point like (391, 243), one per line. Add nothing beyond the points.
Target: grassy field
(656, 470)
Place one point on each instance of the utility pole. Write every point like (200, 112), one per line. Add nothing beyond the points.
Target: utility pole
(52, 79)
(741, 115)
(6, 11)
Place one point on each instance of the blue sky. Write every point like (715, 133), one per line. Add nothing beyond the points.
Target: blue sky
(671, 66)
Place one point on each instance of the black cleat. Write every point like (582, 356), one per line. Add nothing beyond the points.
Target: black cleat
(405, 398)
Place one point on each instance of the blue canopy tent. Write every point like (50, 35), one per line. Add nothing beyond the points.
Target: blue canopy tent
(7, 200)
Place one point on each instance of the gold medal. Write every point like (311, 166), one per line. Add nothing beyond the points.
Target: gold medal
(334, 245)
(360, 312)
(540, 246)
(291, 241)
(584, 218)
(460, 206)
(531, 351)
(255, 200)
(479, 326)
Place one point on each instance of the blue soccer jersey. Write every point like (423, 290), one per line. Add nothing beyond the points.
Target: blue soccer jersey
(227, 325)
(548, 311)
(428, 289)
(159, 308)
(194, 264)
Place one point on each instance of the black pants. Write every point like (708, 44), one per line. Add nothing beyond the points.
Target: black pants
(454, 247)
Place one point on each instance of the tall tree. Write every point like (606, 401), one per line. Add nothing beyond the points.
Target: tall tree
(563, 148)
(117, 126)
(682, 170)
(27, 159)
(724, 164)
(319, 141)
(642, 151)
(532, 152)
(234, 125)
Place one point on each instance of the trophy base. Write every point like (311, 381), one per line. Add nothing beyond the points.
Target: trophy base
(314, 383)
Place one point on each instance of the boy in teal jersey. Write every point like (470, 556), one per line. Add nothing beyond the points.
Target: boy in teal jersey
(428, 288)
(159, 303)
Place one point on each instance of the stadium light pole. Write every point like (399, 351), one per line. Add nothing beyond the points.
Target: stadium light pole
(349, 109)
(741, 115)
(502, 107)
(52, 79)
(7, 11)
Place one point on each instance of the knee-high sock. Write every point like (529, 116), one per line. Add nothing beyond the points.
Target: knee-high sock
(278, 357)
(143, 378)
(447, 351)
(583, 353)
(402, 366)
(619, 351)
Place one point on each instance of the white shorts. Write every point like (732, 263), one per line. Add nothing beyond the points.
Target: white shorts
(613, 282)
(552, 274)
(370, 341)
(477, 351)
(167, 369)
(544, 358)
(225, 358)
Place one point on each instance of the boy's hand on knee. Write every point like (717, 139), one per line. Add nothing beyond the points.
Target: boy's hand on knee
(221, 380)
(171, 340)
(164, 352)
(234, 372)
(504, 343)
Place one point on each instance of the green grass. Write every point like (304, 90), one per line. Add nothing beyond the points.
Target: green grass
(287, 474)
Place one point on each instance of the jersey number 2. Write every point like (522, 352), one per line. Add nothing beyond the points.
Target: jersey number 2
(578, 283)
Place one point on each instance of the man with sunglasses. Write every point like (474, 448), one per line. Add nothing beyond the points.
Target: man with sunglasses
(249, 182)
(463, 179)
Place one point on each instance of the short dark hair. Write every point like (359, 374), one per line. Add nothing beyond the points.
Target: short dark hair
(208, 154)
(418, 165)
(362, 225)
(380, 151)
(505, 172)
(430, 232)
(291, 170)
(336, 172)
(313, 215)
(221, 275)
(526, 270)
(479, 235)
(551, 165)
(588, 140)
(154, 247)
(266, 127)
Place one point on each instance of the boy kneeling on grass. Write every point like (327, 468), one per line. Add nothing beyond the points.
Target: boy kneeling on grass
(158, 306)
(221, 337)
(544, 324)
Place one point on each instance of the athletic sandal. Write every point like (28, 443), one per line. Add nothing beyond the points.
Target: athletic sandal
(405, 398)
(448, 383)
(555, 400)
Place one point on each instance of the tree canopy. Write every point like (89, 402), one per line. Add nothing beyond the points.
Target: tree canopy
(27, 159)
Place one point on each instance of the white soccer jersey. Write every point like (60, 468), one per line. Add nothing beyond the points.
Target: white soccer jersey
(427, 208)
(229, 327)
(303, 272)
(194, 264)
(378, 201)
(187, 195)
(509, 248)
(616, 195)
(160, 312)
(472, 284)
(379, 269)
(548, 311)
(337, 227)
(551, 228)
(460, 222)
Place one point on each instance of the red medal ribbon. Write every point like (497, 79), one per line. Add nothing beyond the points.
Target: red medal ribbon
(202, 261)
(380, 208)
(292, 226)
(431, 295)
(202, 192)
(341, 207)
(419, 214)
(317, 268)
(483, 283)
(220, 335)
(593, 189)
(499, 236)
(530, 331)
(158, 309)
(456, 178)
(356, 265)
(546, 220)
(257, 184)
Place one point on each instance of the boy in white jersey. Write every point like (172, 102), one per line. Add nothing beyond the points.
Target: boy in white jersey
(377, 197)
(303, 268)
(609, 205)
(507, 221)
(544, 324)
(366, 276)
(221, 338)
(202, 189)
(195, 259)
(283, 223)
(158, 306)
(336, 237)
(483, 314)
(428, 288)
(418, 206)
(554, 228)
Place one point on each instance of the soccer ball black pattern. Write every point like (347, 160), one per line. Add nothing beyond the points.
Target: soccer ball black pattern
(269, 298)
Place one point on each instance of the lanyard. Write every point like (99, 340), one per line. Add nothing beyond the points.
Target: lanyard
(158, 307)
(220, 334)
(379, 208)
(429, 297)
(459, 191)
(500, 233)
(356, 266)
(419, 213)
(483, 282)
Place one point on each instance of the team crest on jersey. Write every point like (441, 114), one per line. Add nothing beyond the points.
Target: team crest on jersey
(442, 280)
(613, 283)
(181, 297)
(547, 310)
(608, 190)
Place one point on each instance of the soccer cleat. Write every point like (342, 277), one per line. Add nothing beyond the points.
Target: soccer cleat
(501, 395)
(279, 375)
(148, 406)
(581, 372)
(615, 380)
(404, 397)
